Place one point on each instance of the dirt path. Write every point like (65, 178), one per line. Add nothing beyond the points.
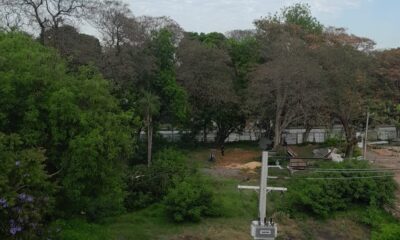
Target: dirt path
(388, 159)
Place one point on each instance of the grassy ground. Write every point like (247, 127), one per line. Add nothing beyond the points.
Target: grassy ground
(152, 223)
(240, 207)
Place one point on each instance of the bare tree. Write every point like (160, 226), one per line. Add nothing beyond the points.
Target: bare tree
(10, 16)
(116, 24)
(150, 25)
(338, 36)
(48, 14)
(239, 34)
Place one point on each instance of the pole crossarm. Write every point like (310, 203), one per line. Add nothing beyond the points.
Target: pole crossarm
(258, 188)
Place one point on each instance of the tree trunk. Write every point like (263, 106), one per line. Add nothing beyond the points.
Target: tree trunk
(278, 133)
(149, 139)
(42, 36)
(205, 132)
(306, 134)
(351, 139)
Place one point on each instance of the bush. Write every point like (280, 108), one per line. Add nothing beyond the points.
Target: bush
(191, 200)
(387, 232)
(334, 142)
(323, 197)
(26, 193)
(149, 185)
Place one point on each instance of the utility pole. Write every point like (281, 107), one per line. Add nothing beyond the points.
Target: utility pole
(262, 229)
(366, 137)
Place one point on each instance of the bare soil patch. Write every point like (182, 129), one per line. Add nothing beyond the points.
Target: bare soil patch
(237, 156)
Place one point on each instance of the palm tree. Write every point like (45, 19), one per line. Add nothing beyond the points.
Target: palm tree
(149, 106)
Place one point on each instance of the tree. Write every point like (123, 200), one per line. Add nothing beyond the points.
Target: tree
(116, 24)
(49, 14)
(10, 17)
(387, 109)
(286, 85)
(244, 52)
(77, 48)
(351, 88)
(206, 73)
(298, 16)
(73, 117)
(285, 82)
(27, 194)
(150, 107)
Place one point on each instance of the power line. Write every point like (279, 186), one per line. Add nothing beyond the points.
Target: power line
(333, 178)
(357, 171)
(353, 169)
(344, 178)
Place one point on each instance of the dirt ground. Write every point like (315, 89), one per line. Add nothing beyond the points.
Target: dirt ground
(237, 156)
(236, 162)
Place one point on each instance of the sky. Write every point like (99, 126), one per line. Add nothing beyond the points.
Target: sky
(376, 19)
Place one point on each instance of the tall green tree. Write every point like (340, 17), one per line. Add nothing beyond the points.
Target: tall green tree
(73, 117)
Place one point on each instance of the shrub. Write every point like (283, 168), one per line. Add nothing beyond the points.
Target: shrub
(149, 185)
(334, 141)
(191, 200)
(387, 232)
(26, 194)
(322, 197)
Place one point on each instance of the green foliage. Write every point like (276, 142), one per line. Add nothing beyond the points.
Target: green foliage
(375, 217)
(147, 185)
(244, 54)
(172, 96)
(387, 232)
(26, 194)
(149, 105)
(300, 14)
(212, 40)
(382, 223)
(86, 136)
(333, 142)
(323, 197)
(190, 200)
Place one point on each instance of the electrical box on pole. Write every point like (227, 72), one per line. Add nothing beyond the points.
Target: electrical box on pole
(262, 229)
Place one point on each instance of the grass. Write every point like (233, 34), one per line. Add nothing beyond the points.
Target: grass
(239, 209)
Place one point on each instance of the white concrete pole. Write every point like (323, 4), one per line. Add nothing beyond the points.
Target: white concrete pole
(263, 188)
(366, 137)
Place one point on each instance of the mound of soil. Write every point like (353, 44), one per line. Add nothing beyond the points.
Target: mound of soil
(246, 166)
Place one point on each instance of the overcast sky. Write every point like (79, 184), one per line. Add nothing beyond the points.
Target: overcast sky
(375, 19)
